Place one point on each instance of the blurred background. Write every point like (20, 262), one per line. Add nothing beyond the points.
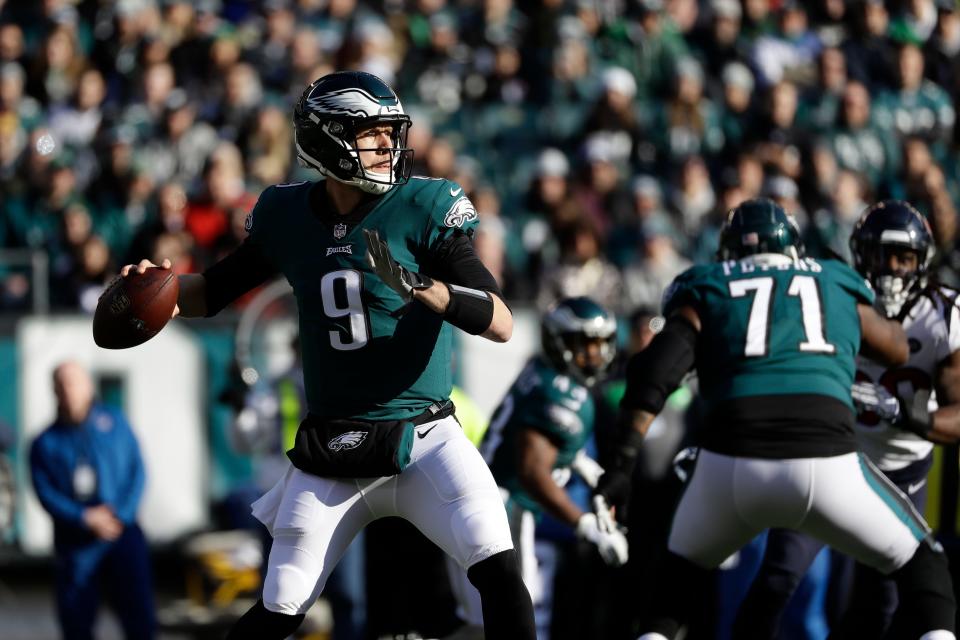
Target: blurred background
(601, 142)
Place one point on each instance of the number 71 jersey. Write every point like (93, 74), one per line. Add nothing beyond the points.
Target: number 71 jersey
(771, 325)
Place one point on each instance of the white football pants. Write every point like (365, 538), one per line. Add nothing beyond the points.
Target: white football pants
(447, 492)
(843, 501)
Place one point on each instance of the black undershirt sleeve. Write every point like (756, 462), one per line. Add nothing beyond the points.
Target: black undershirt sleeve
(239, 272)
(454, 261)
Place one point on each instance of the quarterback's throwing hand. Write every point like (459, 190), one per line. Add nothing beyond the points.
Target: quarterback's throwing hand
(393, 274)
(875, 398)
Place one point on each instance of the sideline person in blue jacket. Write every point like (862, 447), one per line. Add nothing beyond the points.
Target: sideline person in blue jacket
(88, 474)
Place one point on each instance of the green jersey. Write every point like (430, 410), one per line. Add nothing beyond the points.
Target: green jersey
(774, 327)
(366, 354)
(548, 402)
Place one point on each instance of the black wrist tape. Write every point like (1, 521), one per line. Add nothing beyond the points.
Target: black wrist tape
(469, 309)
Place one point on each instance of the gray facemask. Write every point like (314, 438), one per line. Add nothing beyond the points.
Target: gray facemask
(892, 293)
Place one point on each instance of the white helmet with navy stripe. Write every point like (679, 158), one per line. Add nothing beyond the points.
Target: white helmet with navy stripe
(326, 120)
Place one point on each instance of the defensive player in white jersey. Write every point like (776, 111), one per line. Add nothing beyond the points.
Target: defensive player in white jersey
(897, 415)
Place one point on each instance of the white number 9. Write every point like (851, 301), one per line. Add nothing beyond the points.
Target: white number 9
(359, 335)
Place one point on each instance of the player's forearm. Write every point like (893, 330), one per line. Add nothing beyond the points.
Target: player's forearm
(193, 295)
(501, 326)
(945, 428)
(636, 421)
(882, 339)
(552, 498)
(436, 297)
(466, 311)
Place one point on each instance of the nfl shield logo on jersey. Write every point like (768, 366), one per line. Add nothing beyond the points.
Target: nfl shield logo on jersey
(339, 230)
(348, 440)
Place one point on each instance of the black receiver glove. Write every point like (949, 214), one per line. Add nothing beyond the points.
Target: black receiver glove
(393, 274)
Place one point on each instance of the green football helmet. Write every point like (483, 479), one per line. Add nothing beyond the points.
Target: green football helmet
(566, 329)
(759, 226)
(328, 117)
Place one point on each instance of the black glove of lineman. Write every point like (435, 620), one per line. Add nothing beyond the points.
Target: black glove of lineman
(393, 274)
(615, 484)
(614, 487)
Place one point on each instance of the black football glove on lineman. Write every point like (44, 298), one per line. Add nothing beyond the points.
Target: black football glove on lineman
(616, 483)
(913, 416)
(393, 274)
(614, 487)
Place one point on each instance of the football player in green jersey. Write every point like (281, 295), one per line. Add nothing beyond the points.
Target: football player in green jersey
(537, 434)
(773, 336)
(382, 267)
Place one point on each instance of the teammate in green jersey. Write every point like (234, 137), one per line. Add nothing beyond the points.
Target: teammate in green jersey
(536, 439)
(773, 336)
(382, 267)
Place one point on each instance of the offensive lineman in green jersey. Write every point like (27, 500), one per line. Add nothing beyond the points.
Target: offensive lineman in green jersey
(773, 336)
(381, 266)
(537, 434)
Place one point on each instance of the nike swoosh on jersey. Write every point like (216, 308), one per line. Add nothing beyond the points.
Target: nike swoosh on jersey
(455, 192)
(913, 488)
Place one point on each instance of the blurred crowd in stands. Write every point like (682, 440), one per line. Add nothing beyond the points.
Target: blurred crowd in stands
(600, 140)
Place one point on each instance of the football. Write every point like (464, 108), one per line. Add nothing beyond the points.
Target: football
(134, 309)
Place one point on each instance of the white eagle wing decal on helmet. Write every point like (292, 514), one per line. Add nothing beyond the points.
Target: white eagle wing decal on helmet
(353, 102)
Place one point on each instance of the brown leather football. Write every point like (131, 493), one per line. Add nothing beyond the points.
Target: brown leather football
(134, 309)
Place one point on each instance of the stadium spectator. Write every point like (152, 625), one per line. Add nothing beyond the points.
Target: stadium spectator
(693, 196)
(917, 106)
(21, 111)
(942, 64)
(266, 151)
(184, 145)
(724, 44)
(914, 22)
(857, 143)
(819, 102)
(687, 123)
(57, 70)
(790, 52)
(581, 270)
(778, 135)
(737, 112)
(625, 240)
(600, 191)
(658, 264)
(223, 187)
(828, 233)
